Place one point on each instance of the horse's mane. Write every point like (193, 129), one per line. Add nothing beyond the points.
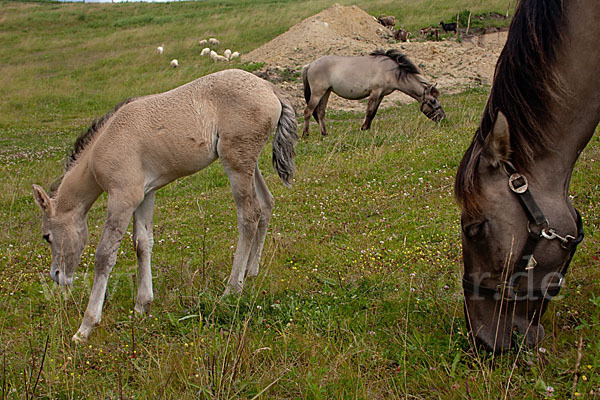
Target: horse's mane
(405, 66)
(525, 82)
(83, 141)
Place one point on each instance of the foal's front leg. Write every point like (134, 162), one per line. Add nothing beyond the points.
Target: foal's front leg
(119, 214)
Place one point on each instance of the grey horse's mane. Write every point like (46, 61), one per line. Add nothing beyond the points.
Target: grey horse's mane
(524, 81)
(405, 66)
(83, 141)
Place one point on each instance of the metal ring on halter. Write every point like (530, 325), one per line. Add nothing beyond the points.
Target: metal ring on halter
(544, 228)
(519, 189)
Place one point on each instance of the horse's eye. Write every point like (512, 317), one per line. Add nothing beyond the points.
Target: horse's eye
(475, 231)
(47, 238)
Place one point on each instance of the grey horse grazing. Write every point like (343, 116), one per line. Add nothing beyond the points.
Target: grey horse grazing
(373, 76)
(148, 142)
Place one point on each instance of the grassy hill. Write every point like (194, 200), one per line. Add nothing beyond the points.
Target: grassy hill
(359, 294)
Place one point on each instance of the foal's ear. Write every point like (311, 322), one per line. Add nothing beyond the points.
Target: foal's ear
(42, 199)
(497, 144)
(434, 91)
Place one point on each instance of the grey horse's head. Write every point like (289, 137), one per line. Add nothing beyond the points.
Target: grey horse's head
(66, 232)
(430, 105)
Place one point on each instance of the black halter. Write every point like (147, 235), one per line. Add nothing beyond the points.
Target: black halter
(538, 228)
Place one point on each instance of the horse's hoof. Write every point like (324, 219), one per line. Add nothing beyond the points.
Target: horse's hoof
(230, 289)
(142, 308)
(79, 338)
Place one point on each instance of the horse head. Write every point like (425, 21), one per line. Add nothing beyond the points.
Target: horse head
(519, 232)
(66, 232)
(430, 105)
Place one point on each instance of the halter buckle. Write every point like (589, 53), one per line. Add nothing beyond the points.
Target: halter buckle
(515, 185)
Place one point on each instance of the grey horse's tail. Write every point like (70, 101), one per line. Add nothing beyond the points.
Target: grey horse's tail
(285, 139)
(307, 89)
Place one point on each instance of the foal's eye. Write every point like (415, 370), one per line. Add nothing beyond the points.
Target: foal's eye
(475, 231)
(46, 238)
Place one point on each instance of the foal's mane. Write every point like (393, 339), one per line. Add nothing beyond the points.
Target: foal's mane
(525, 82)
(405, 66)
(83, 141)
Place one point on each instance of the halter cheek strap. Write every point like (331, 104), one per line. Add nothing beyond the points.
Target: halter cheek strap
(538, 228)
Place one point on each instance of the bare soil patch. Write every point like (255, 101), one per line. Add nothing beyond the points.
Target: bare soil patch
(350, 31)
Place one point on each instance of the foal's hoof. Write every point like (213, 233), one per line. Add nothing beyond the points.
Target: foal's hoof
(232, 289)
(79, 338)
(142, 308)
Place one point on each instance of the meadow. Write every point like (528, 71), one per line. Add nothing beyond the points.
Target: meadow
(359, 293)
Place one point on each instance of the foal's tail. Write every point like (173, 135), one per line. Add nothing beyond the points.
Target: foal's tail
(285, 139)
(307, 92)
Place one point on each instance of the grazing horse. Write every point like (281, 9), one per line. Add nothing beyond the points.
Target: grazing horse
(146, 143)
(373, 76)
(519, 228)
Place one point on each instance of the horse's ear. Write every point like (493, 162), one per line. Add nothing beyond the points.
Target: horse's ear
(434, 91)
(42, 199)
(497, 144)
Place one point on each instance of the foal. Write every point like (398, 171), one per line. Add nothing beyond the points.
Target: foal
(148, 142)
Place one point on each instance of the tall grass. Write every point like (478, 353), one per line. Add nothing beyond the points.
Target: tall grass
(359, 292)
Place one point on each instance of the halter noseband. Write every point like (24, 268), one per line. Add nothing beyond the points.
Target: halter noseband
(538, 228)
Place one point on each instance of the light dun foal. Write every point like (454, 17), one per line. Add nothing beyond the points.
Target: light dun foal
(146, 143)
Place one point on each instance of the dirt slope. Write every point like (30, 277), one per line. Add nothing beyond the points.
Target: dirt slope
(348, 30)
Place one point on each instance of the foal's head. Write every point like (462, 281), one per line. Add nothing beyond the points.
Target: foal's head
(430, 105)
(67, 234)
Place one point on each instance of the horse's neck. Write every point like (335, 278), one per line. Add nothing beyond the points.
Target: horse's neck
(78, 189)
(413, 86)
(579, 113)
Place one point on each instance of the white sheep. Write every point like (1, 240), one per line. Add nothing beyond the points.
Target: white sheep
(235, 54)
(227, 53)
(174, 63)
(203, 42)
(213, 42)
(216, 57)
(160, 49)
(205, 51)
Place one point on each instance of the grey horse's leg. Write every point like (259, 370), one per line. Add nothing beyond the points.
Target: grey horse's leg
(315, 99)
(143, 241)
(266, 207)
(120, 209)
(321, 112)
(248, 216)
(372, 106)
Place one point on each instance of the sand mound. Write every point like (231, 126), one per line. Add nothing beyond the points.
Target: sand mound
(350, 31)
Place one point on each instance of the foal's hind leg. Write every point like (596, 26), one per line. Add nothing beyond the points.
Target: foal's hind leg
(372, 106)
(248, 215)
(321, 112)
(143, 241)
(266, 207)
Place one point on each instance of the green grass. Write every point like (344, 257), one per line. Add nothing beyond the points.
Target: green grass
(359, 291)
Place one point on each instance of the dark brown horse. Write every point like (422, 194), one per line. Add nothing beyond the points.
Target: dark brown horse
(519, 228)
